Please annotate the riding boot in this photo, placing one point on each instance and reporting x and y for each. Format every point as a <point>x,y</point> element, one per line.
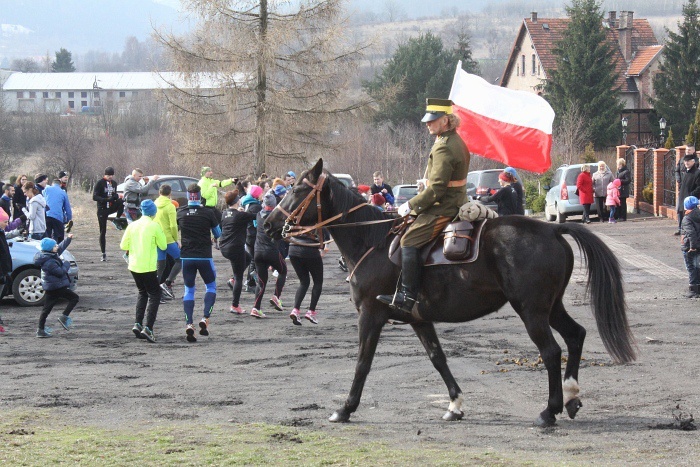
<point>405,297</point>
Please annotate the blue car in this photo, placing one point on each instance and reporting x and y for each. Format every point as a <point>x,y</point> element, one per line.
<point>26,277</point>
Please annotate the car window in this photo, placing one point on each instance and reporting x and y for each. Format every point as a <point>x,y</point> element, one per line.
<point>407,191</point>
<point>556,177</point>
<point>490,179</point>
<point>571,176</point>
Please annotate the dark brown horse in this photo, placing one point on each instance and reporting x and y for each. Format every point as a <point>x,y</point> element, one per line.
<point>522,261</point>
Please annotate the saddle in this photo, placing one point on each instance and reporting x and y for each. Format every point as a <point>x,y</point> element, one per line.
<point>458,243</point>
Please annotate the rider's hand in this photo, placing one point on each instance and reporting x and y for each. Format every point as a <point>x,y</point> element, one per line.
<point>404,209</point>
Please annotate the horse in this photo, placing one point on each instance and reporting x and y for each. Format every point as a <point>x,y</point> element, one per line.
<point>521,261</point>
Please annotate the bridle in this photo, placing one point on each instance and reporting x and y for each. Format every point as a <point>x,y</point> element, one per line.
<point>292,228</point>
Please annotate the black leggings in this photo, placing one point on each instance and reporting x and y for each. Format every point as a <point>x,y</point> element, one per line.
<point>263,259</point>
<point>305,267</point>
<point>102,215</point>
<point>148,299</point>
<point>240,260</point>
<point>53,296</point>
<point>600,205</point>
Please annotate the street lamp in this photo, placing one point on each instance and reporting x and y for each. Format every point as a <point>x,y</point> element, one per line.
<point>624,130</point>
<point>662,125</point>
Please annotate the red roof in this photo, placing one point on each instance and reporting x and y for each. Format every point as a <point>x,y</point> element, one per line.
<point>642,59</point>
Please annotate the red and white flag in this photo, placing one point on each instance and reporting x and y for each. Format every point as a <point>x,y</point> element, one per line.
<point>513,127</point>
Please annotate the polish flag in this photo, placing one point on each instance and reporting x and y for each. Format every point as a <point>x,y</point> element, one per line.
<point>513,127</point>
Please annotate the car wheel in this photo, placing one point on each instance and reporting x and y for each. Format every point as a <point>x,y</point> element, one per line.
<point>547,215</point>
<point>561,217</point>
<point>26,288</point>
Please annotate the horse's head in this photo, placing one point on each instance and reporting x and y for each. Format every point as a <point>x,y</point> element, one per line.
<point>302,205</point>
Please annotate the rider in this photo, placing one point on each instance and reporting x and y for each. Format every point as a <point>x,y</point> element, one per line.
<point>438,204</point>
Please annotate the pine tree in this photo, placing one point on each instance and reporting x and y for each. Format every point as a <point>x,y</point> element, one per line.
<point>670,142</point>
<point>63,62</point>
<point>677,85</point>
<point>585,73</point>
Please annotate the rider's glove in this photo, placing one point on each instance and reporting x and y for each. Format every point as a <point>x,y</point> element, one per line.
<point>404,209</point>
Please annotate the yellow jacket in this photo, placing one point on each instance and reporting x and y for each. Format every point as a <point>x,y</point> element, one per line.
<point>141,239</point>
<point>209,191</point>
<point>166,216</point>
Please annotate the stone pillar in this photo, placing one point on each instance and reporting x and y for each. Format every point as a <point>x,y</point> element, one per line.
<point>658,179</point>
<point>621,151</point>
<point>638,176</point>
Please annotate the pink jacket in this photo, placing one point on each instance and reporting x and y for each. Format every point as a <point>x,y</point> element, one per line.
<point>613,198</point>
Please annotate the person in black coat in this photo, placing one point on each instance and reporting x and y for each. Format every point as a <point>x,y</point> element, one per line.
<point>5,261</point>
<point>108,202</point>
<point>19,199</point>
<point>689,186</point>
<point>690,244</point>
<point>506,198</point>
<point>625,176</point>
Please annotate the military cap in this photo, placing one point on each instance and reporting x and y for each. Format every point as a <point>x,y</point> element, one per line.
<point>436,108</point>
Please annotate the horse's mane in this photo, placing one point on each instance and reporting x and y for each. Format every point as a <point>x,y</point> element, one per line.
<point>343,199</point>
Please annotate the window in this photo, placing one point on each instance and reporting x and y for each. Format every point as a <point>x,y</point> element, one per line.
<point>45,94</point>
<point>83,94</point>
<point>32,94</point>
<point>57,94</point>
<point>71,95</point>
<point>83,103</point>
<point>534,63</point>
<point>96,94</point>
<point>134,93</point>
<point>122,94</point>
<point>71,104</point>
<point>522,64</point>
<point>20,94</point>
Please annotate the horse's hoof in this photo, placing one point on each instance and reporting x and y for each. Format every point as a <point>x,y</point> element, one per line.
<point>572,407</point>
<point>339,418</point>
<point>545,420</point>
<point>452,416</point>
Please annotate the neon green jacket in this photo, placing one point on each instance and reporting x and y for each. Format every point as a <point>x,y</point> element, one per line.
<point>141,239</point>
<point>167,218</point>
<point>209,192</point>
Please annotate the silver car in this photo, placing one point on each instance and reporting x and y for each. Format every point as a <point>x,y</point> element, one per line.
<point>561,200</point>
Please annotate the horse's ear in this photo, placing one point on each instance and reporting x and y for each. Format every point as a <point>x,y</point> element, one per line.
<point>317,169</point>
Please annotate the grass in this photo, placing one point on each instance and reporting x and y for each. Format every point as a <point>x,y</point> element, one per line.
<point>41,438</point>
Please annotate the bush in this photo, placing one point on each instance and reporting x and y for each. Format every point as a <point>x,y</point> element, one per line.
<point>533,199</point>
<point>648,193</point>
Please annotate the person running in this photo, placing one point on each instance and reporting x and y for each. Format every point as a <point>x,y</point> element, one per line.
<point>108,202</point>
<point>267,254</point>
<point>59,211</point>
<point>234,224</point>
<point>197,223</point>
<point>141,241</point>
<point>35,211</point>
<point>55,282</point>
<point>251,203</point>
<point>167,218</point>
<point>307,262</point>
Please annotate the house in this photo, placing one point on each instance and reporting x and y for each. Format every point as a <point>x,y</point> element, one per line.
<point>89,93</point>
<point>636,50</point>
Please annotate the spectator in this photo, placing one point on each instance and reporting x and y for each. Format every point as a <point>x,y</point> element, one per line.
<point>108,202</point>
<point>63,177</point>
<point>59,211</point>
<point>209,186</point>
<point>625,176</point>
<point>167,218</point>
<point>505,198</point>
<point>613,198</point>
<point>380,187</point>
<point>197,224</point>
<point>55,282</point>
<point>378,201</point>
<point>133,191</point>
<point>40,182</point>
<point>5,261</point>
<point>689,182</point>
<point>584,186</point>
<point>364,191</point>
<point>141,241</point>
<point>8,192</point>
<point>290,179</point>
<point>690,243</point>
<point>19,199</point>
<point>601,180</point>
<point>518,187</point>
<point>36,214</point>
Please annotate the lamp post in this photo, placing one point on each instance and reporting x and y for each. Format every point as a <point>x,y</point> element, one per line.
<point>624,122</point>
<point>662,126</point>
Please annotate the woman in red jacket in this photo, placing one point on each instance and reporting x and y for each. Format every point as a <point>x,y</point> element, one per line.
<point>584,186</point>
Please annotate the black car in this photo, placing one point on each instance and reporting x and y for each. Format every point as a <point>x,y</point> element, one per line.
<point>178,183</point>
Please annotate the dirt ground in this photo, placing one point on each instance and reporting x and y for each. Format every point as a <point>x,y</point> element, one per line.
<point>252,370</point>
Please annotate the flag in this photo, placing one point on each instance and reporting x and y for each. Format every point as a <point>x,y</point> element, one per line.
<point>513,127</point>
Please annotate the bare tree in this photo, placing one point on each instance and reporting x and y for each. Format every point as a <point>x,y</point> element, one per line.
<point>278,69</point>
<point>394,11</point>
<point>25,65</point>
<point>571,135</point>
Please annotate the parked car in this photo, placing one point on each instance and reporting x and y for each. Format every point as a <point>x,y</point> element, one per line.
<point>483,183</point>
<point>178,183</point>
<point>346,179</point>
<point>26,277</point>
<point>403,193</point>
<point>561,201</point>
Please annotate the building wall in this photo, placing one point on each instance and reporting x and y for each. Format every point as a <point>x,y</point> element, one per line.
<point>67,101</point>
<point>645,84</point>
<point>527,79</point>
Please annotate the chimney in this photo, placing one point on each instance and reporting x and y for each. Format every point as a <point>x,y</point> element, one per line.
<point>612,19</point>
<point>625,34</point>
<point>533,16</point>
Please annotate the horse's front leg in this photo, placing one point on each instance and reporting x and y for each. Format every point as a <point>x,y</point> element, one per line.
<point>427,335</point>
<point>371,322</point>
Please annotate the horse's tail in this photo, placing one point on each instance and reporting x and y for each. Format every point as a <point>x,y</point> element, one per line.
<point>606,292</point>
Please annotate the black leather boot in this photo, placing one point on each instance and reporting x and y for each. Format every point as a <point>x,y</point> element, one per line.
<point>693,291</point>
<point>405,298</point>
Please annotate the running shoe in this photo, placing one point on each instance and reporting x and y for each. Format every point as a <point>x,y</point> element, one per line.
<point>311,316</point>
<point>65,321</point>
<point>147,334</point>
<point>204,327</point>
<point>237,309</point>
<point>257,313</point>
<point>296,319</point>
<point>46,332</point>
<point>137,330</point>
<point>69,226</point>
<point>167,291</point>
<point>277,303</point>
<point>230,283</point>
<point>125,257</point>
<point>190,333</point>
<point>104,257</point>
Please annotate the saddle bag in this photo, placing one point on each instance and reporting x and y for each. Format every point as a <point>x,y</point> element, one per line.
<point>458,241</point>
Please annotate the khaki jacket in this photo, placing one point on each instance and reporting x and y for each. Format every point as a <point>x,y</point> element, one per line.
<point>448,161</point>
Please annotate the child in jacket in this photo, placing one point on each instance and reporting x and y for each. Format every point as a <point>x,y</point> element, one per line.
<point>613,198</point>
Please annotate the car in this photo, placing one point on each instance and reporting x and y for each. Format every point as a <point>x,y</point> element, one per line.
<point>483,183</point>
<point>561,200</point>
<point>26,276</point>
<point>178,183</point>
<point>346,179</point>
<point>403,193</point>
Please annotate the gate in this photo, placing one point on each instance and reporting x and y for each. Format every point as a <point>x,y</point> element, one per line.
<point>648,174</point>
<point>629,161</point>
<point>669,180</point>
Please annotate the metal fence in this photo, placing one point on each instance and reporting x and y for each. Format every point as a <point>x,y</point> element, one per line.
<point>669,180</point>
<point>648,174</point>
<point>629,160</point>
